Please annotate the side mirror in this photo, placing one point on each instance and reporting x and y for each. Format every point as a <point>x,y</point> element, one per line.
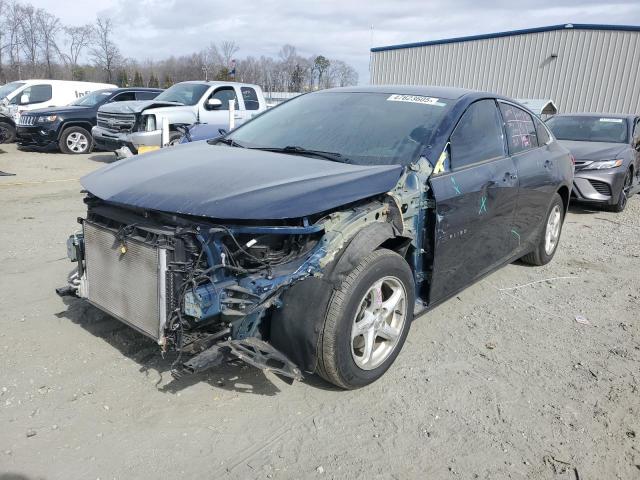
<point>213,104</point>
<point>24,99</point>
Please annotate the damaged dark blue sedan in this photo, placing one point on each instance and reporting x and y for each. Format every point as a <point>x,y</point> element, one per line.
<point>308,239</point>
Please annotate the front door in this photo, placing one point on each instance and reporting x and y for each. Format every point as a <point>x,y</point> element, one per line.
<point>475,202</point>
<point>220,116</point>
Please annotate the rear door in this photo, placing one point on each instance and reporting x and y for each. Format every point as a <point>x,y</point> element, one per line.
<point>251,104</point>
<point>475,202</point>
<point>528,141</point>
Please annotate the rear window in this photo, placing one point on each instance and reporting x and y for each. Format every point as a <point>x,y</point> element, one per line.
<point>585,128</point>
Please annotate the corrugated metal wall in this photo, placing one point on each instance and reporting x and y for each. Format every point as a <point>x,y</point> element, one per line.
<point>595,70</point>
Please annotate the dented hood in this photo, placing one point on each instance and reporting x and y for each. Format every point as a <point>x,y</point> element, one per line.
<point>235,183</point>
<point>594,150</point>
<point>135,106</point>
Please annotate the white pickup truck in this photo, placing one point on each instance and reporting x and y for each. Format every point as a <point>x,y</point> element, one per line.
<point>138,124</point>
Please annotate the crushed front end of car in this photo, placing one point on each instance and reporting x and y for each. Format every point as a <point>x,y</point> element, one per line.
<point>211,289</point>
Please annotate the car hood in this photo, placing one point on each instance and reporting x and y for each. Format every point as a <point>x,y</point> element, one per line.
<point>57,110</point>
<point>235,183</point>
<point>135,106</point>
<point>594,150</point>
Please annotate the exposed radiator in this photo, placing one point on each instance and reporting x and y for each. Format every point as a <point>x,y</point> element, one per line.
<point>129,286</point>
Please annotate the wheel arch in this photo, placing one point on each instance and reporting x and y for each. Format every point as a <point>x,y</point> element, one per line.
<point>295,328</point>
<point>77,123</point>
<point>564,193</point>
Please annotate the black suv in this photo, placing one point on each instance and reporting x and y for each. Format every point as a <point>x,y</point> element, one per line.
<point>69,128</point>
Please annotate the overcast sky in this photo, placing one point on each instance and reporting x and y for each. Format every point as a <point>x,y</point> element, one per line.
<point>335,28</point>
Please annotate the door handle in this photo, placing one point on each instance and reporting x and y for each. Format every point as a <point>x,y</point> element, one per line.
<point>548,164</point>
<point>509,176</point>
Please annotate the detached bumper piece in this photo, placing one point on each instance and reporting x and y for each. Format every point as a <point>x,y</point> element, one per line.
<point>252,351</point>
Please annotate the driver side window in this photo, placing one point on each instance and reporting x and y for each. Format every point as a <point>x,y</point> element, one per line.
<point>33,94</point>
<point>478,135</point>
<point>225,95</point>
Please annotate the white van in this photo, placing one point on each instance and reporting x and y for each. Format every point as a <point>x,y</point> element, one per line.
<point>22,95</point>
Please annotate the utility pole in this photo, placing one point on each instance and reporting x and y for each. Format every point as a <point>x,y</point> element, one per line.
<point>205,70</point>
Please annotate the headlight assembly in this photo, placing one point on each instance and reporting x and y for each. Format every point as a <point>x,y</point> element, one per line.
<point>604,164</point>
<point>47,119</point>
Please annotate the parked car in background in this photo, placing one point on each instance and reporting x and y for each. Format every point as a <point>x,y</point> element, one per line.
<point>24,95</point>
<point>69,128</point>
<point>136,124</point>
<point>606,148</point>
<point>199,132</point>
<point>307,239</point>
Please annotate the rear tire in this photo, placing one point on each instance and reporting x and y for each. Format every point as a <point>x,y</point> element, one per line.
<point>622,197</point>
<point>549,235</point>
<point>75,141</point>
<point>367,321</point>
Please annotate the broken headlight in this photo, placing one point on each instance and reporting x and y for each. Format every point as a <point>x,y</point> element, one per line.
<point>149,123</point>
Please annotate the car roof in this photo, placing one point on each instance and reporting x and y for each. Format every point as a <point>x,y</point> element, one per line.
<point>422,90</point>
<point>216,82</point>
<point>596,114</point>
<point>137,89</point>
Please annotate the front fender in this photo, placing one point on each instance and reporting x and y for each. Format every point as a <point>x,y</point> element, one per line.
<point>296,326</point>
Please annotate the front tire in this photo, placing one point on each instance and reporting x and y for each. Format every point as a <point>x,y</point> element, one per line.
<point>550,235</point>
<point>7,133</point>
<point>75,141</point>
<point>623,196</point>
<point>367,321</point>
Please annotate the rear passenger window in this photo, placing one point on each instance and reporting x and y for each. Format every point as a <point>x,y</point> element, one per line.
<point>478,136</point>
<point>543,133</point>
<point>124,97</point>
<point>521,132</point>
<point>250,98</point>
<point>146,95</point>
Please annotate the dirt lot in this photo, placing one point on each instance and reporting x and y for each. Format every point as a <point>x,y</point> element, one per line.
<point>500,382</point>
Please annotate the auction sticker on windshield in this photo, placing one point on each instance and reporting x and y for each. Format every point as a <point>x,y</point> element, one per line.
<point>611,120</point>
<point>416,99</point>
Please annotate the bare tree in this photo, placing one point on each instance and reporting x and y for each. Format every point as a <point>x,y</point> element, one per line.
<point>228,49</point>
<point>30,36</point>
<point>105,53</point>
<point>76,40</point>
<point>49,28</point>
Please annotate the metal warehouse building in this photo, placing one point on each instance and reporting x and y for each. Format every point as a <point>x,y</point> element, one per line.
<point>580,67</point>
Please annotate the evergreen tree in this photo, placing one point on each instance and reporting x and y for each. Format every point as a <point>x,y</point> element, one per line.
<point>153,81</point>
<point>122,79</point>
<point>137,80</point>
<point>168,81</point>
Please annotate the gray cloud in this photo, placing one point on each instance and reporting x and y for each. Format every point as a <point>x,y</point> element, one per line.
<point>336,28</point>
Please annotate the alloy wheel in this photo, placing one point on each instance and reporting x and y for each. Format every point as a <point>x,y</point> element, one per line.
<point>77,142</point>
<point>552,232</point>
<point>378,323</point>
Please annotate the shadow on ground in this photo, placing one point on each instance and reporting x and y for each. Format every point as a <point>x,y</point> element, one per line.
<point>233,375</point>
<point>103,157</point>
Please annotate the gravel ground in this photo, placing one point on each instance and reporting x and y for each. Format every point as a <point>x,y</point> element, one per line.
<point>499,382</point>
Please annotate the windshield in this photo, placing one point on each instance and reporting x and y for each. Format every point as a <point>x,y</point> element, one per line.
<point>92,99</point>
<point>589,129</point>
<point>185,93</point>
<point>363,128</point>
<point>8,88</point>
